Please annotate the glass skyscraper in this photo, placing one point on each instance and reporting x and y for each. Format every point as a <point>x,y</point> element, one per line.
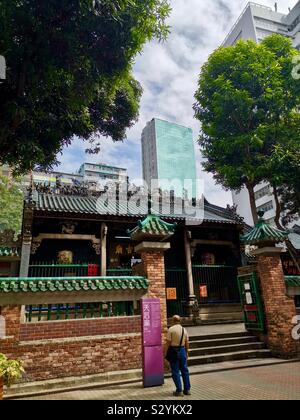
<point>169,156</point>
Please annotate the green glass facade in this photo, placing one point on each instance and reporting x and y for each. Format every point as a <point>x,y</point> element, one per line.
<point>175,154</point>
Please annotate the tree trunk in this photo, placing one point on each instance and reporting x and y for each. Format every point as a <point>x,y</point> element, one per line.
<point>278,209</point>
<point>1,389</point>
<point>250,188</point>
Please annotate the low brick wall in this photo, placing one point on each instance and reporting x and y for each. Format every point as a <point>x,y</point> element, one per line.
<point>50,359</point>
<point>59,349</point>
<point>79,328</point>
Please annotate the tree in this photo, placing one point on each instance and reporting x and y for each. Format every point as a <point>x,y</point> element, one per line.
<point>69,73</point>
<point>285,170</point>
<point>246,94</point>
<point>11,205</point>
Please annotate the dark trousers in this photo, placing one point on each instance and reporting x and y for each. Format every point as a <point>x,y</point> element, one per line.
<point>180,366</point>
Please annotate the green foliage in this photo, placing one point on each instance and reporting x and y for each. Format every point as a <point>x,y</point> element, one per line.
<point>11,205</point>
<point>70,73</point>
<point>246,96</point>
<point>285,170</point>
<point>10,370</point>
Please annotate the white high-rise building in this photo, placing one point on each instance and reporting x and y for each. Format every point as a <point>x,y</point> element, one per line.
<point>257,22</point>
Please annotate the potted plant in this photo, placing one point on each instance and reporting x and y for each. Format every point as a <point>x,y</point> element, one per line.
<point>10,371</point>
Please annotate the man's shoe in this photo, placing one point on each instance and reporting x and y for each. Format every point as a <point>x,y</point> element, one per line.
<point>187,392</point>
<point>178,394</point>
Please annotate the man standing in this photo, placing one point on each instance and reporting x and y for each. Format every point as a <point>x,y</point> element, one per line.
<point>176,351</point>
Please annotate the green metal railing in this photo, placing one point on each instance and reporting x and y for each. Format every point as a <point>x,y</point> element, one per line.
<point>61,311</point>
<point>220,281</point>
<point>70,270</point>
<point>58,270</point>
<point>177,278</point>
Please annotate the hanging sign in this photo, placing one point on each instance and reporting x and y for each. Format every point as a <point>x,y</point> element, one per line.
<point>203,291</point>
<point>171,293</point>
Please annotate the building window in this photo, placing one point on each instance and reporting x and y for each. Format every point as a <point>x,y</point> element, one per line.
<point>262,192</point>
<point>266,207</point>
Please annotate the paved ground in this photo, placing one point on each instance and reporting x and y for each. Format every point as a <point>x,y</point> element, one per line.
<point>277,382</point>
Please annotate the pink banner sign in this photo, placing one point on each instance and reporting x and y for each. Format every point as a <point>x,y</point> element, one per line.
<point>153,360</point>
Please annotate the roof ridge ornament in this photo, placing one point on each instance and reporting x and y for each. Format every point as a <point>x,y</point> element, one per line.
<point>264,234</point>
<point>152,228</point>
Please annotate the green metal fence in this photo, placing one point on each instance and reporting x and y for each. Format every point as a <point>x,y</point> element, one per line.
<point>219,282</point>
<point>70,270</point>
<point>254,317</point>
<point>177,278</point>
<point>61,311</point>
<point>58,270</point>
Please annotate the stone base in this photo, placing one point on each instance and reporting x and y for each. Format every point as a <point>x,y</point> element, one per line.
<point>152,247</point>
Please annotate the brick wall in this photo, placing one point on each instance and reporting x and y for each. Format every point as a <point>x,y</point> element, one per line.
<point>279,308</point>
<point>72,348</point>
<point>79,328</point>
<point>50,359</point>
<point>153,268</point>
<point>12,315</point>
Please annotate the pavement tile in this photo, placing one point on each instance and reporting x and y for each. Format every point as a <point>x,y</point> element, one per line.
<point>276,382</point>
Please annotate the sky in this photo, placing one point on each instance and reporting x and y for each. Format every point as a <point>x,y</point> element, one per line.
<point>168,73</point>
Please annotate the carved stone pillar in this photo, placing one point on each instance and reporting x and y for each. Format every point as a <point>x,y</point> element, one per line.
<point>26,239</point>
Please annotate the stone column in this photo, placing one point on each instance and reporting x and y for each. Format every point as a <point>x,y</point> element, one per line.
<point>153,262</point>
<point>189,269</point>
<point>279,308</point>
<point>103,249</point>
<point>26,239</point>
<point>25,257</point>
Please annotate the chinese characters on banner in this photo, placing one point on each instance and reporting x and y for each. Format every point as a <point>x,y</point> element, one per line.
<point>153,361</point>
<point>290,268</point>
<point>171,293</point>
<point>203,291</point>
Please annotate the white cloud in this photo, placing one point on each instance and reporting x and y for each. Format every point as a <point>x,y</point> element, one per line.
<point>168,73</point>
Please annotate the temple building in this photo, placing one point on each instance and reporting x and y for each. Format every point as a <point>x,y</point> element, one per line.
<point>67,234</point>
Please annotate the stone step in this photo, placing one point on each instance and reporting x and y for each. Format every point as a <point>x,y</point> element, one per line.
<point>219,317</point>
<point>226,349</point>
<point>218,336</point>
<point>219,342</point>
<point>218,321</point>
<point>225,357</point>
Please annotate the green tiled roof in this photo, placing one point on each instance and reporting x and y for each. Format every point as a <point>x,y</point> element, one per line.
<point>92,206</point>
<point>264,233</point>
<point>152,226</point>
<point>293,281</point>
<point>65,284</point>
<point>9,252</point>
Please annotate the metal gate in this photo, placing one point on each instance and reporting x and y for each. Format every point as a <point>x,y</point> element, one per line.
<point>251,301</point>
<point>176,282</point>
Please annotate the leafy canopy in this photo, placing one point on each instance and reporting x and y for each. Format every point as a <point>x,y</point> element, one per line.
<point>246,95</point>
<point>11,205</point>
<point>69,72</point>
